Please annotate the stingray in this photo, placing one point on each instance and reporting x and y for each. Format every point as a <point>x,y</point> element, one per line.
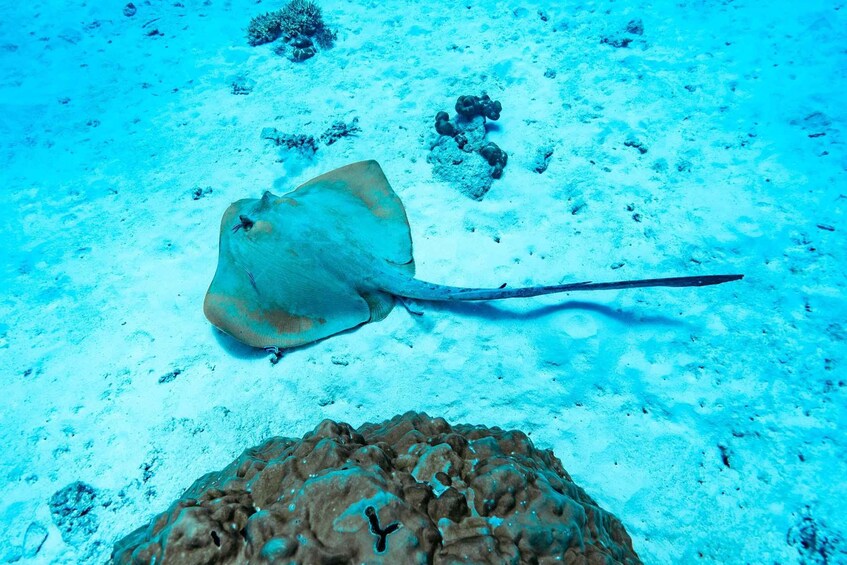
<point>333,254</point>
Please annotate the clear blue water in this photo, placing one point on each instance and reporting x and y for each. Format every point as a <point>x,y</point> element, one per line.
<point>679,139</point>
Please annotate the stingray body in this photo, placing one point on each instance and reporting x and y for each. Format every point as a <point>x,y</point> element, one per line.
<point>331,255</point>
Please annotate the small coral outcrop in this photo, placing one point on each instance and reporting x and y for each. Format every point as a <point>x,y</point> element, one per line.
<point>264,28</point>
<point>299,24</point>
<point>409,490</point>
<point>307,145</point>
<point>461,155</point>
<point>72,509</point>
<point>339,129</point>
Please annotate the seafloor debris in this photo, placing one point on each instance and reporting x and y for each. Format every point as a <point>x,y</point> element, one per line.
<point>242,85</point>
<point>308,144</point>
<point>623,38</point>
<point>339,129</point>
<point>410,490</point>
<point>462,155</point>
<point>816,544</point>
<point>198,192</point>
<point>542,158</point>
<point>303,143</point>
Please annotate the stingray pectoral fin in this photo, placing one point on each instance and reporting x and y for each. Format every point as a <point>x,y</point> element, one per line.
<point>361,198</point>
<point>259,322</point>
<point>366,182</point>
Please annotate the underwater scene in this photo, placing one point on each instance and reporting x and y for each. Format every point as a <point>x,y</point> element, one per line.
<point>486,281</point>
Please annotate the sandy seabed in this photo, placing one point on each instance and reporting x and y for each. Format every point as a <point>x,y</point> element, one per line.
<point>710,421</point>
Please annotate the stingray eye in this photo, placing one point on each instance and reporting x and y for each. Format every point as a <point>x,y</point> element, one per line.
<point>243,222</point>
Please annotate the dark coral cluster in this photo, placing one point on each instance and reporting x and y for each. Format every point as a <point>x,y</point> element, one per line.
<point>468,131</point>
<point>495,157</point>
<point>410,490</point>
<point>300,25</point>
<point>470,106</point>
<point>443,125</point>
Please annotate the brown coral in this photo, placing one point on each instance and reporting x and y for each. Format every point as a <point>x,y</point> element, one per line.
<point>409,490</point>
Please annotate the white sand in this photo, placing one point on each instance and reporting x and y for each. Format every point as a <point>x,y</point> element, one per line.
<point>106,256</point>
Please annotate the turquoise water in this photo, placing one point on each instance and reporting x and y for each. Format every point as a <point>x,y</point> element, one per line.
<point>642,140</point>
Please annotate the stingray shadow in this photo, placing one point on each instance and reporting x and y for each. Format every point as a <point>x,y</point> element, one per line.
<point>492,126</point>
<point>235,347</point>
<point>484,310</point>
<point>491,312</point>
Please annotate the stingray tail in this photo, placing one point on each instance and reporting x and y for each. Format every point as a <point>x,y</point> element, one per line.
<point>421,290</point>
